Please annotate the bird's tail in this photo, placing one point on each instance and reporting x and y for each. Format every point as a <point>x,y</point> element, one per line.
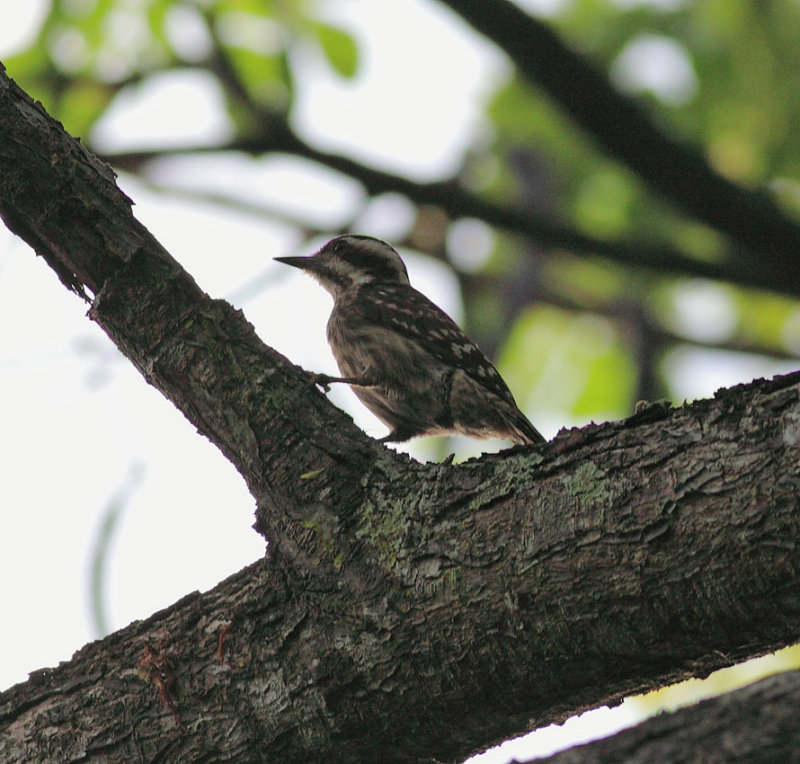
<point>522,432</point>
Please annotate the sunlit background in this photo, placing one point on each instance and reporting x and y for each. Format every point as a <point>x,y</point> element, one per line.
<point>112,506</point>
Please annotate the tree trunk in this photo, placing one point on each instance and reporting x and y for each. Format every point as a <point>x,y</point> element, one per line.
<point>405,612</point>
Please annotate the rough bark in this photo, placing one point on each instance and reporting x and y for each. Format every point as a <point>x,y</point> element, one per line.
<point>755,724</point>
<point>405,612</point>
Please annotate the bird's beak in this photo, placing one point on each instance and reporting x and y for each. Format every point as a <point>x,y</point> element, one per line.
<point>304,263</point>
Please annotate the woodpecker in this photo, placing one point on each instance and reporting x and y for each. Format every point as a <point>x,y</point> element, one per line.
<point>405,358</point>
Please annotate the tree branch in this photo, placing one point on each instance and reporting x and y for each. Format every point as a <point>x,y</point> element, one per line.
<point>405,611</point>
<point>627,133</point>
<point>458,202</point>
<point>757,723</point>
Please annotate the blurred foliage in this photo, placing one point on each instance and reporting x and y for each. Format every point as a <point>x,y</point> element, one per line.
<point>89,49</point>
<point>564,360</point>
<point>739,100</point>
<point>577,336</point>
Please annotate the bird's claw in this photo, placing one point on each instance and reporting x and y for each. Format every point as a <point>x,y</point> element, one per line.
<point>322,381</point>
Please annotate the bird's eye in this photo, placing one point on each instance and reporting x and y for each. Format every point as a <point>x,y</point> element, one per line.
<point>338,246</point>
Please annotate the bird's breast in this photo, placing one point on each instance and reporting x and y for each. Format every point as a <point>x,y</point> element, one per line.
<point>363,347</point>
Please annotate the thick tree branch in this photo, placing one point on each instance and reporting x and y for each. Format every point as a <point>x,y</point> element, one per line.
<point>755,724</point>
<point>627,132</point>
<point>406,611</point>
<point>578,581</point>
<point>199,352</point>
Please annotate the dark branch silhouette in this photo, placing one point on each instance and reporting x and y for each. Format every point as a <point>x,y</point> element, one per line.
<point>623,129</point>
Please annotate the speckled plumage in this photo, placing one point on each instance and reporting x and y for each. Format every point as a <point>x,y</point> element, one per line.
<point>408,361</point>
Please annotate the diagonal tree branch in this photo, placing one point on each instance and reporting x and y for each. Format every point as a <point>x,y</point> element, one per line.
<point>405,612</point>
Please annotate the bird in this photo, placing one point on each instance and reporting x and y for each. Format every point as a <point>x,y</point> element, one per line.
<point>407,361</point>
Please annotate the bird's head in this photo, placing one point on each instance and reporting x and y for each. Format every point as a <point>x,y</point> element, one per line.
<point>350,261</point>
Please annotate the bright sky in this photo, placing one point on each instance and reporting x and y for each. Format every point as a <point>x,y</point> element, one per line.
<point>79,423</point>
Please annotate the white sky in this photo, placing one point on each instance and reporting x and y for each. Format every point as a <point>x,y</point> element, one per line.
<point>77,418</point>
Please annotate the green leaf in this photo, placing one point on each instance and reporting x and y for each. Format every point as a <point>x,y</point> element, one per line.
<point>264,76</point>
<point>339,48</point>
<point>83,104</point>
<point>157,14</point>
<point>570,364</point>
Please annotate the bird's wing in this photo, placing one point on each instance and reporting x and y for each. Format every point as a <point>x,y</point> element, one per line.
<point>411,314</point>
